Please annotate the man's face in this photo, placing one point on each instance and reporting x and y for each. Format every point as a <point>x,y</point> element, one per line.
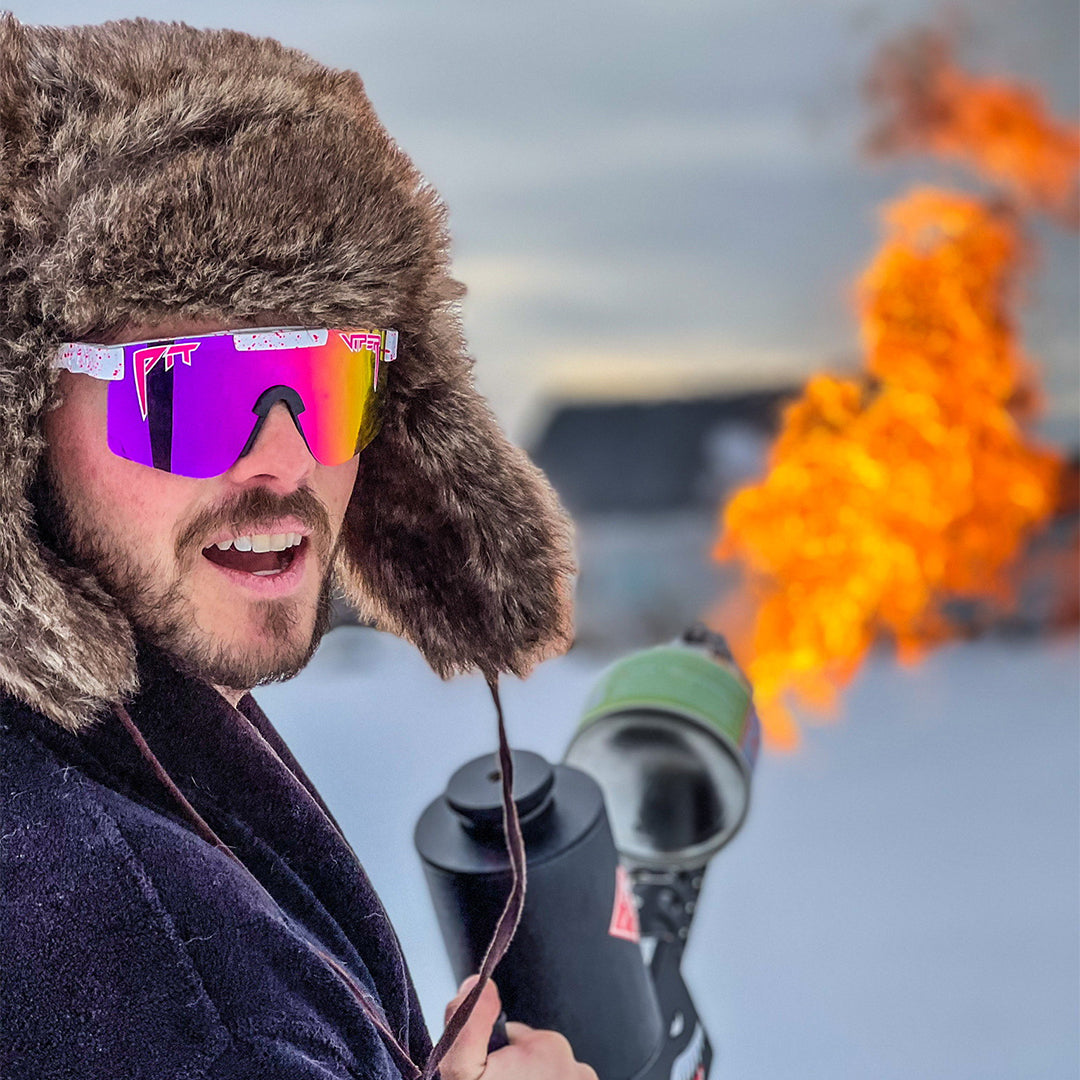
<point>236,619</point>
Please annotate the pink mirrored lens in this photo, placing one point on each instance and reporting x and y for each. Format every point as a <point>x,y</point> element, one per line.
<point>190,406</point>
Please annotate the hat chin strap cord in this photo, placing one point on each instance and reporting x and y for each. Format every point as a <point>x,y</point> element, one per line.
<point>500,939</point>
<point>511,912</point>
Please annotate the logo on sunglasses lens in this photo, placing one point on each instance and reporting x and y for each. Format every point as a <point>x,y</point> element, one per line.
<point>382,347</point>
<point>145,360</point>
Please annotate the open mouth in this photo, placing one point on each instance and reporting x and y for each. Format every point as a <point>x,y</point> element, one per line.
<point>261,555</point>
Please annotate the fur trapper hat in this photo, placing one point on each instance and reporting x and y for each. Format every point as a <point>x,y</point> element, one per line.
<point>149,171</point>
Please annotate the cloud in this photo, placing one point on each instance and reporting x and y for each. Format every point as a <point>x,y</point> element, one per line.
<point>644,147</point>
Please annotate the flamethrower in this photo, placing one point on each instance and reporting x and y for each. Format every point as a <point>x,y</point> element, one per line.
<point>618,836</point>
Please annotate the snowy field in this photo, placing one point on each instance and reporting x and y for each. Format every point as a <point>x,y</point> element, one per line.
<point>902,903</point>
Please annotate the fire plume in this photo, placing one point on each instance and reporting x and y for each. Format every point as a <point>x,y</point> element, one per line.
<point>1001,129</point>
<point>891,494</point>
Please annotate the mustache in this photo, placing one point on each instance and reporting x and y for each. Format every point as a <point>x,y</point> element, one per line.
<point>251,510</point>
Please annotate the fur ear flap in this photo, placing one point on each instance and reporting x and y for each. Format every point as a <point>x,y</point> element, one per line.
<point>454,539</point>
<point>75,650</point>
<point>65,647</point>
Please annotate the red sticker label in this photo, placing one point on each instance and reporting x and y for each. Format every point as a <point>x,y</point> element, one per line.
<point>624,917</point>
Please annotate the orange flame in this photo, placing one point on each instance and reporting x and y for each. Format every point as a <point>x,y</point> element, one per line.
<point>890,495</point>
<point>1001,129</point>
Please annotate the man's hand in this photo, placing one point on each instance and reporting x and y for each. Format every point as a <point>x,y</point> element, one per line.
<point>531,1055</point>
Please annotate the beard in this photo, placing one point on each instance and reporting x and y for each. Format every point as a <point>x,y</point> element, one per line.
<point>285,632</point>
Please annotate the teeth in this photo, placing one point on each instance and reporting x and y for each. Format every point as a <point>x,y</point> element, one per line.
<point>262,542</point>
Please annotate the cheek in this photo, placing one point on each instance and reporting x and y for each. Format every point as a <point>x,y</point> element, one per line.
<point>337,487</point>
<point>128,502</point>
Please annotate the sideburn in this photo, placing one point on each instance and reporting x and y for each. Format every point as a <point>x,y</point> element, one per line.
<point>51,519</point>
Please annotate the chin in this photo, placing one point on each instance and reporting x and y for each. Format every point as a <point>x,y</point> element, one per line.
<point>271,642</point>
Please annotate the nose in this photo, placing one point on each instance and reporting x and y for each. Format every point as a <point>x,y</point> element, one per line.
<point>279,459</point>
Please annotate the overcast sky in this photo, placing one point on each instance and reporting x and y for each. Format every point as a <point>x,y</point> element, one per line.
<point>675,180</point>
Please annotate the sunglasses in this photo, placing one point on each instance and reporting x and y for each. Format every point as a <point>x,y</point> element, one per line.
<point>194,405</point>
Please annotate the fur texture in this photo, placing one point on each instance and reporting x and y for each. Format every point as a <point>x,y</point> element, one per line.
<point>151,170</point>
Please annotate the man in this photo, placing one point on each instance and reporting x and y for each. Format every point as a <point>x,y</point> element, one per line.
<point>220,281</point>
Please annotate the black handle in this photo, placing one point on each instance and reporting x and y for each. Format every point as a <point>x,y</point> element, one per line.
<point>499,1037</point>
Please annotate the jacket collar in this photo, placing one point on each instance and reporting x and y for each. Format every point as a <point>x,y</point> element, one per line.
<point>231,764</point>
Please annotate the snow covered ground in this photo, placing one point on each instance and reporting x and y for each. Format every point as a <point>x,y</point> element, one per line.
<point>902,903</point>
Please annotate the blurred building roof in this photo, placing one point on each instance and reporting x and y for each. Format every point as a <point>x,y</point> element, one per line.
<point>651,456</point>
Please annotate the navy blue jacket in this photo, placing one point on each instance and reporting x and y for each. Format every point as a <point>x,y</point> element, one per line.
<point>132,947</point>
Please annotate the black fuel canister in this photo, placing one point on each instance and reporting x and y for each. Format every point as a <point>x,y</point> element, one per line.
<point>579,917</point>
